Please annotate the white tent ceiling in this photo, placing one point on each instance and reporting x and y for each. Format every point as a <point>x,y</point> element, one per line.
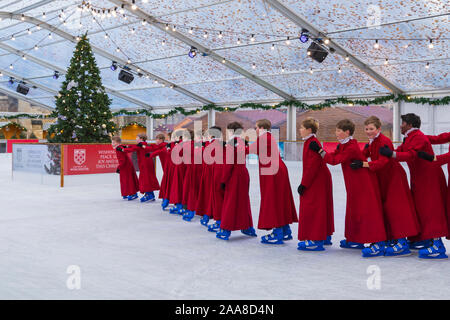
<point>252,71</point>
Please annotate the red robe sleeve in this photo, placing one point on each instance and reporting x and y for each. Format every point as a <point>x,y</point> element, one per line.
<point>411,154</point>
<point>440,139</point>
<point>443,158</point>
<point>336,157</point>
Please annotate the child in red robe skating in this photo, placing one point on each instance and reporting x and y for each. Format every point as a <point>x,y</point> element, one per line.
<point>316,216</point>
<point>277,209</point>
<point>428,188</point>
<point>364,221</point>
<point>129,184</point>
<point>235,182</point>
<point>398,206</point>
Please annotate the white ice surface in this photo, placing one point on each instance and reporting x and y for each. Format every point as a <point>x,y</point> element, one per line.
<point>129,250</point>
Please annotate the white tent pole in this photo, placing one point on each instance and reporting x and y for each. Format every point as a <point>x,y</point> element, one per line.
<point>291,130</point>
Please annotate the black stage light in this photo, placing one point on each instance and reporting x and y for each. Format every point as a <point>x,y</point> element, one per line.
<point>22,89</point>
<point>317,52</point>
<point>126,76</point>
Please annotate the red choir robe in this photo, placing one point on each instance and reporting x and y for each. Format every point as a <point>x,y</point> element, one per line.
<point>428,186</point>
<point>236,210</point>
<point>205,188</point>
<point>440,139</point>
<point>217,193</point>
<point>196,177</point>
<point>316,216</point>
<point>178,172</point>
<point>129,183</point>
<point>188,158</point>
<point>364,221</point>
<point>164,155</point>
<point>147,173</point>
<point>400,216</point>
<point>277,208</point>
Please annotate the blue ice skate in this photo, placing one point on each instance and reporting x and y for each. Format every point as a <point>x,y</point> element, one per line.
<point>214,227</point>
<point>435,251</point>
<point>287,233</point>
<point>177,209</point>
<point>132,197</point>
<point>249,232</point>
<point>419,244</point>
<point>276,237</point>
<point>351,245</point>
<point>149,196</point>
<point>165,204</point>
<point>398,248</point>
<point>189,215</point>
<point>309,245</point>
<point>375,249</point>
<point>204,220</point>
<point>124,197</point>
<point>327,241</point>
<point>223,234</point>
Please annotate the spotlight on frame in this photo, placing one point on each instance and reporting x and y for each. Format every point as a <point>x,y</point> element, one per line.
<point>304,36</point>
<point>192,52</point>
<point>113,66</point>
<point>56,75</point>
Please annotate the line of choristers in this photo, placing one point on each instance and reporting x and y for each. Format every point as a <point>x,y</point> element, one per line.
<point>206,176</point>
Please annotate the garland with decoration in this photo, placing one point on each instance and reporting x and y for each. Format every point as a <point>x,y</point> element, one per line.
<point>13,124</point>
<point>132,124</point>
<point>256,106</point>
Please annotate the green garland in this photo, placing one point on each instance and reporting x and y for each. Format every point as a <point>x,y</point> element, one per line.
<point>132,124</point>
<point>13,124</point>
<point>256,106</point>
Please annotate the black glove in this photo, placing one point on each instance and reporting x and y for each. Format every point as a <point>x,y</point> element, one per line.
<point>169,145</point>
<point>139,144</point>
<point>119,149</point>
<point>366,146</point>
<point>386,151</point>
<point>337,147</point>
<point>424,155</point>
<point>118,170</point>
<point>246,142</point>
<point>356,164</point>
<point>301,188</point>
<point>314,146</point>
<point>224,144</point>
<point>203,144</point>
<point>147,155</point>
<point>222,185</point>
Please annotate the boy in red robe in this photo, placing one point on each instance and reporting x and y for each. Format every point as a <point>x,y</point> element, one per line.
<point>277,209</point>
<point>159,149</point>
<point>147,175</point>
<point>428,188</point>
<point>316,216</point>
<point>178,172</point>
<point>235,182</point>
<point>398,206</point>
<point>129,184</point>
<point>364,214</point>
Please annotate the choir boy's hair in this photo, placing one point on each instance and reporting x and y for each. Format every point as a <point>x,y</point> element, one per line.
<point>235,126</point>
<point>214,130</point>
<point>412,119</point>
<point>264,123</point>
<point>142,136</point>
<point>161,136</point>
<point>345,125</point>
<point>117,139</point>
<point>373,120</point>
<point>311,123</point>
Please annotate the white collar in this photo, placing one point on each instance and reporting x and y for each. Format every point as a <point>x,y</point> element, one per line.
<point>344,141</point>
<point>308,136</point>
<point>262,131</point>
<point>371,140</point>
<point>409,131</point>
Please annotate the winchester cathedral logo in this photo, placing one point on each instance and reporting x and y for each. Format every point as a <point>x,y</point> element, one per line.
<point>79,156</point>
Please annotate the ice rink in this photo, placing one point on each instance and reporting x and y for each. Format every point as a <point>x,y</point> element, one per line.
<point>129,250</point>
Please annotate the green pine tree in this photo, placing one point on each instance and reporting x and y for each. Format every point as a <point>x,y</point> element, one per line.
<point>82,106</point>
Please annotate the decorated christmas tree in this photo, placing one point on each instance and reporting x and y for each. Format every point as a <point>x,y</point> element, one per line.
<point>82,106</point>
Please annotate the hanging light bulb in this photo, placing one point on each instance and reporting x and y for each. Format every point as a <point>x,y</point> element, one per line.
<point>13,38</point>
<point>50,36</point>
<point>164,42</point>
<point>288,41</point>
<point>427,66</point>
<point>339,70</point>
<point>128,61</point>
<point>220,35</point>
<point>44,16</point>
<point>254,65</point>
<point>347,58</point>
<point>106,36</point>
<point>133,31</point>
<point>238,41</point>
<point>24,57</point>
<point>376,45</point>
<point>205,35</point>
<point>272,47</point>
<point>133,6</point>
<point>311,71</point>
<point>167,26</point>
<point>11,66</point>
<point>252,38</point>
<point>122,10</point>
<point>406,46</point>
<point>431,46</point>
<point>174,28</point>
<point>39,27</point>
<point>117,50</point>
<point>144,22</point>
<point>36,47</point>
<point>22,17</point>
<point>326,41</point>
<point>29,31</point>
<point>223,60</point>
<point>282,69</point>
<point>191,30</point>
<point>386,61</point>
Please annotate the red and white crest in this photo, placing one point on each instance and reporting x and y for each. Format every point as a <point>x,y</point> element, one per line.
<point>79,156</point>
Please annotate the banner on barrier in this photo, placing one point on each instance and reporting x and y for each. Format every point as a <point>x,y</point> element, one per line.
<point>37,158</point>
<point>11,142</point>
<point>89,159</point>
